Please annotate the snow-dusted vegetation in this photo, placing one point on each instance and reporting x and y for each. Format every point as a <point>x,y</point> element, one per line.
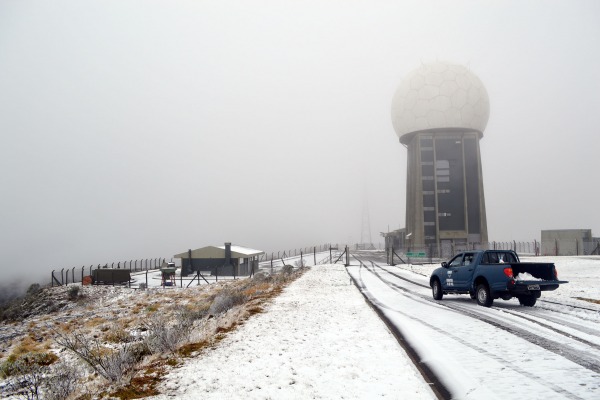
<point>96,341</point>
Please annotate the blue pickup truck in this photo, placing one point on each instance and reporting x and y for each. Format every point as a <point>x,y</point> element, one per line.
<point>491,274</point>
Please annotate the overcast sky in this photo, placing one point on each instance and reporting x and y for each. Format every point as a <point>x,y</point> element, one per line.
<point>139,129</point>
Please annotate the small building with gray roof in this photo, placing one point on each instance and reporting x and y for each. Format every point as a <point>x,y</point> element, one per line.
<point>227,260</point>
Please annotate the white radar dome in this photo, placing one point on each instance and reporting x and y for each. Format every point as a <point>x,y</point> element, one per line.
<point>439,95</point>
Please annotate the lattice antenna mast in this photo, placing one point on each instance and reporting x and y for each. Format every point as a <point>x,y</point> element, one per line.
<point>365,233</point>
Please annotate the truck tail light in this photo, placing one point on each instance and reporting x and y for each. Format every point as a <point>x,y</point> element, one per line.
<point>508,272</point>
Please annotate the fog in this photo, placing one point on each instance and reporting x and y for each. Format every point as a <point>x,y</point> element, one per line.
<point>137,130</point>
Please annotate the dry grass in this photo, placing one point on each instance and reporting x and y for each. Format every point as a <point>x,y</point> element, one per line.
<point>27,345</point>
<point>94,322</point>
<point>117,334</point>
<point>259,290</point>
<point>152,308</point>
<point>192,349</point>
<point>144,384</point>
<point>595,301</point>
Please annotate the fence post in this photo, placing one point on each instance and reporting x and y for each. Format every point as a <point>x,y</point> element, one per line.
<point>315,255</point>
<point>431,252</point>
<point>82,275</point>
<point>347,256</point>
<point>301,259</point>
<point>52,278</point>
<point>62,278</point>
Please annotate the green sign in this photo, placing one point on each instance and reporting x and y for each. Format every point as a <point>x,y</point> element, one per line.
<point>419,254</point>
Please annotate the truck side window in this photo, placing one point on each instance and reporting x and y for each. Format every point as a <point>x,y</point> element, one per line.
<point>456,261</point>
<point>491,258</point>
<point>468,259</point>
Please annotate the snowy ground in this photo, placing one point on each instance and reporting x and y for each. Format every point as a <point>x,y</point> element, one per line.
<point>551,350</point>
<point>318,339</point>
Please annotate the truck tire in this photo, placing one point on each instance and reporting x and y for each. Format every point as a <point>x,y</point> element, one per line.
<point>436,290</point>
<point>527,301</point>
<point>483,295</point>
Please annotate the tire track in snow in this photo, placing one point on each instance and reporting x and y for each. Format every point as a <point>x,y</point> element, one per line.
<point>557,348</point>
<point>521,313</point>
<point>438,388</point>
<point>561,349</point>
<point>527,315</point>
<point>508,364</point>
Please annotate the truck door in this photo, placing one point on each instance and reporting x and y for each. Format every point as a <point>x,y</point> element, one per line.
<point>453,265</point>
<point>464,272</point>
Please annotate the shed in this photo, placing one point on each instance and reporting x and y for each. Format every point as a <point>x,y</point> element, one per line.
<point>111,276</point>
<point>222,260</point>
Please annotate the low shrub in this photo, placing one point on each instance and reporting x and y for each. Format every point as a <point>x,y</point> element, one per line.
<point>224,301</point>
<point>73,292</point>
<point>286,270</point>
<point>166,335</point>
<point>117,334</point>
<point>261,277</point>
<point>108,363</point>
<point>17,364</point>
<point>60,381</point>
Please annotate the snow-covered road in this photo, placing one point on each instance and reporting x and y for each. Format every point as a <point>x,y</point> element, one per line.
<point>317,340</point>
<point>508,351</point>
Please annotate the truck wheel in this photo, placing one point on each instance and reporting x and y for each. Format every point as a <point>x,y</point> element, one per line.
<point>527,301</point>
<point>483,295</point>
<point>436,289</point>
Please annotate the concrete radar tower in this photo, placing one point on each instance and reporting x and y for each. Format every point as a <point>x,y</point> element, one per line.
<point>439,112</point>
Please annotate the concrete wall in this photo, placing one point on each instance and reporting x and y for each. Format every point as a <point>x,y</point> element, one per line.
<point>566,242</point>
